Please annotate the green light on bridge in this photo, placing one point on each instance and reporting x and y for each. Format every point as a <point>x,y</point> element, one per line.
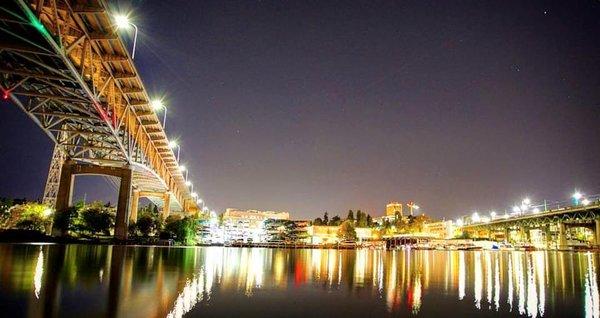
<point>36,23</point>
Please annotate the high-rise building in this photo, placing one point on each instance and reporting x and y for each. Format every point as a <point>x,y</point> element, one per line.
<point>393,207</point>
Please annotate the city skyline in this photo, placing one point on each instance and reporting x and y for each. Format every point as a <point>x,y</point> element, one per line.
<point>310,108</point>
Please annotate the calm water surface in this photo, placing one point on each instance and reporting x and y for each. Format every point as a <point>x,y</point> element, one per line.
<point>98,281</point>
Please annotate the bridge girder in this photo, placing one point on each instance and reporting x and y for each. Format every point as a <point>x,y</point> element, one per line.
<point>64,65</point>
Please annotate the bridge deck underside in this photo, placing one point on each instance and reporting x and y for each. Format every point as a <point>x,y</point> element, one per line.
<point>73,77</point>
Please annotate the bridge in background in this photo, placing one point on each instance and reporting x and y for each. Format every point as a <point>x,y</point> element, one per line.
<point>553,224</point>
<point>63,63</point>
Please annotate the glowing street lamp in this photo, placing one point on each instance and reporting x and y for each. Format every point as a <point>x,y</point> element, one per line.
<point>536,210</point>
<point>493,214</point>
<point>475,217</point>
<point>194,195</point>
<point>585,201</point>
<point>459,222</point>
<point>123,22</point>
<point>157,105</point>
<point>174,144</point>
<point>516,209</point>
<point>576,197</point>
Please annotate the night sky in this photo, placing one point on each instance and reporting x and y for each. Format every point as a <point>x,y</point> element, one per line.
<point>308,106</point>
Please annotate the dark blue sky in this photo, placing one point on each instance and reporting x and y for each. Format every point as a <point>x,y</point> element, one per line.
<point>309,106</point>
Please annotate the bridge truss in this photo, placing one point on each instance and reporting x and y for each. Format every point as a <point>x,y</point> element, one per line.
<point>63,64</point>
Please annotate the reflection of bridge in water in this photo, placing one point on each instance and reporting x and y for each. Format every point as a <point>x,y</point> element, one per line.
<point>64,65</point>
<point>552,225</point>
<point>159,282</point>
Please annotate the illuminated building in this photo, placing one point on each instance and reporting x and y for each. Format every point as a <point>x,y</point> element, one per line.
<point>325,234</point>
<point>247,225</point>
<point>393,207</point>
<point>440,229</point>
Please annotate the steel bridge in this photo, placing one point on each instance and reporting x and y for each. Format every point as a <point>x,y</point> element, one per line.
<point>553,223</point>
<point>63,63</point>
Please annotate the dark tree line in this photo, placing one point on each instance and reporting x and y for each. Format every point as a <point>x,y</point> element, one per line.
<point>361,219</point>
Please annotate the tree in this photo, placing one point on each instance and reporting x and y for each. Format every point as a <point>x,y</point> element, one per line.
<point>65,220</point>
<point>350,216</point>
<point>335,221</point>
<point>147,224</point>
<point>325,218</point>
<point>183,230</point>
<point>318,222</point>
<point>28,216</point>
<point>361,219</point>
<point>98,218</point>
<point>369,221</point>
<point>346,231</point>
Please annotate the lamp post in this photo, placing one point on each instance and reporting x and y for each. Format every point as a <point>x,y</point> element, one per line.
<point>173,144</point>
<point>122,22</point>
<point>157,105</point>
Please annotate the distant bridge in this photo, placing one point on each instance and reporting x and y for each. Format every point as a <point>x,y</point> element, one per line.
<point>553,223</point>
<point>63,63</point>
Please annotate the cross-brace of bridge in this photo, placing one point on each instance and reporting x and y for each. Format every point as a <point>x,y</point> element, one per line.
<point>560,219</point>
<point>64,65</point>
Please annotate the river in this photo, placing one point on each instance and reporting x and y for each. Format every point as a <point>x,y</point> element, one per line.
<point>116,281</point>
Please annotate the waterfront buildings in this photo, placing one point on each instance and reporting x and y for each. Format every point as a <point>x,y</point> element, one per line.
<point>440,229</point>
<point>248,225</point>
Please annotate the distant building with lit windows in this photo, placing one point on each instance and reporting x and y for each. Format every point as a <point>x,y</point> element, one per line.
<point>247,225</point>
<point>392,208</point>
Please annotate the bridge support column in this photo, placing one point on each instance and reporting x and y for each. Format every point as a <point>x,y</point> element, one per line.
<point>123,206</point>
<point>65,186</point>
<point>65,190</point>
<point>547,236</point>
<point>135,201</point>
<point>562,241</point>
<point>597,232</point>
<point>166,205</point>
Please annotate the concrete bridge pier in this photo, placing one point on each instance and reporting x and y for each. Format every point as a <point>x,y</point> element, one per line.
<point>64,199</point>
<point>562,240</point>
<point>597,232</point>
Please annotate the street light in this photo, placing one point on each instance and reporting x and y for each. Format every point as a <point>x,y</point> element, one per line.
<point>577,196</point>
<point>122,22</point>
<point>475,217</point>
<point>194,195</point>
<point>493,214</point>
<point>459,222</point>
<point>516,209</point>
<point>585,201</point>
<point>157,105</point>
<point>172,145</point>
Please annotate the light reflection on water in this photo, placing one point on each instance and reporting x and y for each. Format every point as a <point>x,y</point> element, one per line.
<point>96,281</point>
